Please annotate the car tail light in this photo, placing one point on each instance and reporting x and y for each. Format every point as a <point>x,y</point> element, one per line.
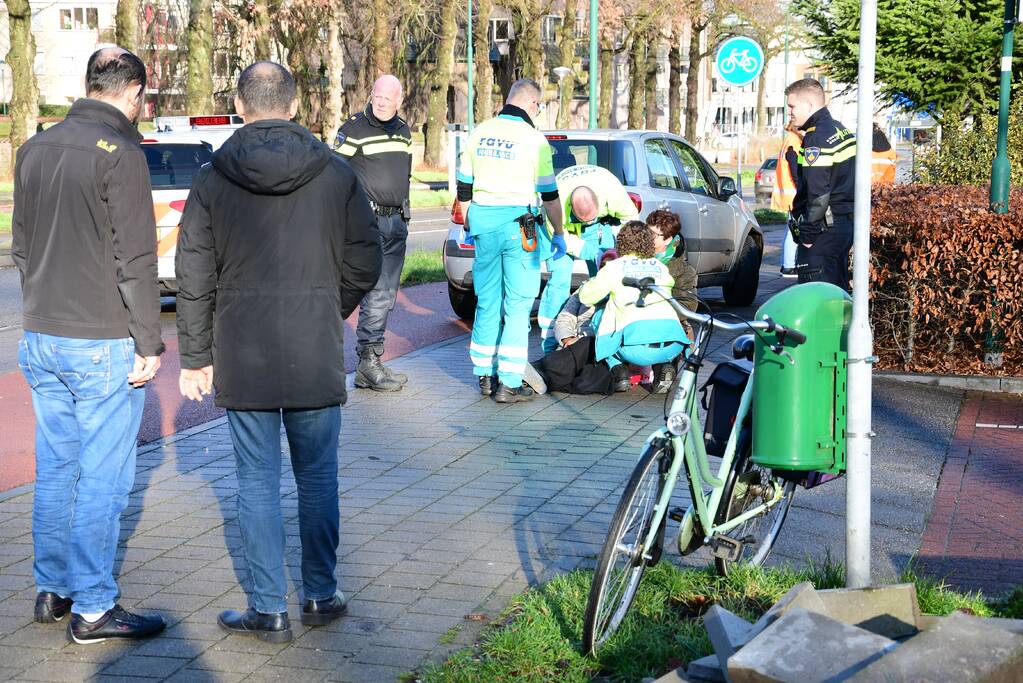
<point>456,213</point>
<point>637,200</point>
<point>557,137</point>
<point>178,205</point>
<point>759,176</point>
<point>145,140</point>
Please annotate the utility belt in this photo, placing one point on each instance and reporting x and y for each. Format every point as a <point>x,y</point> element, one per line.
<point>528,224</point>
<point>404,210</point>
<point>817,229</point>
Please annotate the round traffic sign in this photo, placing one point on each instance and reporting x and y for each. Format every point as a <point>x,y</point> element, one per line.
<point>739,60</point>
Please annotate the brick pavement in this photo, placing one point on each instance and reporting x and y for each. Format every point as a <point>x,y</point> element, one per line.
<point>974,536</point>
<point>450,504</point>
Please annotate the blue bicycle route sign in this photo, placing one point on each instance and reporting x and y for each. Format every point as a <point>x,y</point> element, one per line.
<point>739,60</point>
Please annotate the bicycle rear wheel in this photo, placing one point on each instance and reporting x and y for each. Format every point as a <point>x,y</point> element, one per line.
<point>623,557</point>
<point>749,485</point>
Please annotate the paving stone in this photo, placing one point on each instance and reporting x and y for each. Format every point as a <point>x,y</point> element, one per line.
<point>728,632</point>
<point>404,657</point>
<point>149,666</point>
<point>976,650</point>
<point>281,673</point>
<point>801,595</point>
<point>806,647</point>
<point>216,659</point>
<point>360,672</point>
<point>705,670</point>
<point>303,658</point>
<point>890,611</point>
<point>60,671</point>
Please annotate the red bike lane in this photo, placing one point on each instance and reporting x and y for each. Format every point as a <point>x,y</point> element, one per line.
<point>421,316</point>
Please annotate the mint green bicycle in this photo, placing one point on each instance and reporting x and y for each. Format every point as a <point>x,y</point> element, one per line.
<point>738,513</point>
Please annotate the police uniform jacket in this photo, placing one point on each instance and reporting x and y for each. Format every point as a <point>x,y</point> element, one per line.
<point>827,174</point>
<point>380,152</point>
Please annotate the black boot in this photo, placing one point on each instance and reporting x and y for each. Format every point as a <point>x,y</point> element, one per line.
<point>273,628</point>
<point>486,385</point>
<point>506,394</point>
<point>371,373</point>
<point>621,377</point>
<point>321,612</point>
<point>664,375</point>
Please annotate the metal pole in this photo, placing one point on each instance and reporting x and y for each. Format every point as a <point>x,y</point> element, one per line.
<point>738,142</point>
<point>786,79</point>
<point>1000,167</point>
<point>594,63</point>
<point>470,116</point>
<point>861,341</point>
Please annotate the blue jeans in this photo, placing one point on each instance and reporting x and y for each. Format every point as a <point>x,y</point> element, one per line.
<point>313,438</point>
<point>87,426</point>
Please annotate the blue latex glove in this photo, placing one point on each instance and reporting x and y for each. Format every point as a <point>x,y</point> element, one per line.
<point>468,239</point>
<point>558,247</point>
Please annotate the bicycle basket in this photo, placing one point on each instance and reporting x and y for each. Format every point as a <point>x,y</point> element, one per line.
<point>721,395</point>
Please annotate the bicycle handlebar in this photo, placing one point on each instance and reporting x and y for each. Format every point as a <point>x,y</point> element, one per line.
<point>782,333</point>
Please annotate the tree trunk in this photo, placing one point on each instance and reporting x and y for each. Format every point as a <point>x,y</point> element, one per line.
<point>650,85</point>
<point>567,84</point>
<point>637,82</point>
<point>484,79</point>
<point>261,21</point>
<point>21,58</point>
<point>693,82</point>
<point>334,100</point>
<point>675,86</point>
<point>606,84</point>
<point>199,88</point>
<point>126,24</point>
<point>528,50</point>
<point>380,50</point>
<point>298,64</point>
<point>437,102</point>
<point>761,109</point>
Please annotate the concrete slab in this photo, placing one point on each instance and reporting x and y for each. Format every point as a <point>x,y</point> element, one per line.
<point>970,649</point>
<point>802,595</point>
<point>806,647</point>
<point>706,670</point>
<point>889,611</point>
<point>727,631</point>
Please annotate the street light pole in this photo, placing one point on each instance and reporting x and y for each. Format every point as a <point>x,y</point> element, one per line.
<point>470,115</point>
<point>1000,167</point>
<point>594,63</point>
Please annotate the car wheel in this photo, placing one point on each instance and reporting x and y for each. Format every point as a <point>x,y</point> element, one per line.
<point>742,290</point>
<point>463,302</point>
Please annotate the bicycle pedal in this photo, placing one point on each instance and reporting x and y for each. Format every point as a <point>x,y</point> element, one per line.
<point>676,514</point>
<point>727,548</point>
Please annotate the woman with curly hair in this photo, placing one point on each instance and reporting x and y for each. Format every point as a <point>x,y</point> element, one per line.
<point>625,332</point>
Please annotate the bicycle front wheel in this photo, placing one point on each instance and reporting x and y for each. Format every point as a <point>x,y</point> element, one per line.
<point>624,557</point>
<point>749,485</point>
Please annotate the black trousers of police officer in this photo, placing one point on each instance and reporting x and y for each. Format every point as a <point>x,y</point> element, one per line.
<point>377,304</point>
<point>827,259</point>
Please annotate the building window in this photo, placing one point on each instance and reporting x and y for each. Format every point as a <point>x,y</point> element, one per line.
<point>79,19</point>
<point>582,29</point>
<point>549,29</point>
<point>500,30</point>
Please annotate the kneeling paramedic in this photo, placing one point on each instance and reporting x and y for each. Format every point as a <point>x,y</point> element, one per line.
<point>595,203</point>
<point>506,162</point>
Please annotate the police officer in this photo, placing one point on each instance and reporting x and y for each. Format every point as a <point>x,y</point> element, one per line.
<point>594,203</point>
<point>378,145</point>
<point>822,211</point>
<point>505,164</point>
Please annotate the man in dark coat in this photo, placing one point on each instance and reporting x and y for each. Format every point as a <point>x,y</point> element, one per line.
<point>277,246</point>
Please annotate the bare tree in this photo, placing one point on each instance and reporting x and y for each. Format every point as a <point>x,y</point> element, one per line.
<point>126,23</point>
<point>484,84</point>
<point>567,84</point>
<point>199,86</point>
<point>764,22</point>
<point>334,100</point>
<point>21,56</point>
<point>440,80</point>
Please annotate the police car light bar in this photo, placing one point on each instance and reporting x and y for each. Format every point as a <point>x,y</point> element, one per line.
<point>225,120</point>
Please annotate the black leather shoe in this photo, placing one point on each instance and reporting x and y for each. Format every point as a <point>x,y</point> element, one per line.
<point>51,608</point>
<point>115,623</point>
<point>506,394</point>
<point>321,612</point>
<point>486,385</point>
<point>273,628</point>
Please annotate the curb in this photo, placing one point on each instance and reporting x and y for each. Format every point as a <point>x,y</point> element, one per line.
<point>5,251</point>
<point>1006,385</point>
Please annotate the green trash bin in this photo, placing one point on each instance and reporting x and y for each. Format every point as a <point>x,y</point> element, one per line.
<point>799,407</point>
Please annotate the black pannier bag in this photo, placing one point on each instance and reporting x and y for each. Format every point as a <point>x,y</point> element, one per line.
<point>721,395</point>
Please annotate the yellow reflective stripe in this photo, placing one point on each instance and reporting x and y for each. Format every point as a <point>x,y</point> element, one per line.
<point>347,150</point>
<point>384,147</point>
<point>844,155</point>
<point>374,138</point>
<point>851,142</point>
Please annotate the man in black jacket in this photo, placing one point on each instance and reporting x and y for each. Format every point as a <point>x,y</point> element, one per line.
<point>822,211</point>
<point>277,246</point>
<point>378,145</point>
<point>84,241</point>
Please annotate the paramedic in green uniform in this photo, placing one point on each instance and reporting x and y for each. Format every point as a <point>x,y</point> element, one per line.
<point>506,162</point>
<point>594,203</point>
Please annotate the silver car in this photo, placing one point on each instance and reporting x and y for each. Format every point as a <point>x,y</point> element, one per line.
<point>659,170</point>
<point>763,181</point>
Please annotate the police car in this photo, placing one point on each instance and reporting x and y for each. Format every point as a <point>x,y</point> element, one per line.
<point>724,240</point>
<point>174,153</point>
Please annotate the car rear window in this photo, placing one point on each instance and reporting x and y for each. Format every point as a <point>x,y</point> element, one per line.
<point>617,156</point>
<point>172,166</point>
<point>769,164</point>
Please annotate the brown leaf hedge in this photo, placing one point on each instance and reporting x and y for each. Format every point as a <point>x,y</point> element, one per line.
<point>946,280</point>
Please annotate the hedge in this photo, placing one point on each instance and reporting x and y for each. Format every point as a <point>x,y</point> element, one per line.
<point>946,280</point>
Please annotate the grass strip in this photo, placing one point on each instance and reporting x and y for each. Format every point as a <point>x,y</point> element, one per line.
<point>422,199</point>
<point>421,267</point>
<point>770,216</point>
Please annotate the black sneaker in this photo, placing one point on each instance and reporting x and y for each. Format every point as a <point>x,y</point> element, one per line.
<point>486,385</point>
<point>115,623</point>
<point>51,608</point>
<point>664,375</point>
<point>622,382</point>
<point>322,612</point>
<point>506,394</point>
<point>272,628</point>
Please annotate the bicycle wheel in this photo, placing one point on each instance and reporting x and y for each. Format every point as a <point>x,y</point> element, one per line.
<point>623,559</point>
<point>749,485</point>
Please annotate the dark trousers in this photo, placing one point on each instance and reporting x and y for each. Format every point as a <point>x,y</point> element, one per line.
<point>313,439</point>
<point>827,259</point>
<point>377,304</point>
